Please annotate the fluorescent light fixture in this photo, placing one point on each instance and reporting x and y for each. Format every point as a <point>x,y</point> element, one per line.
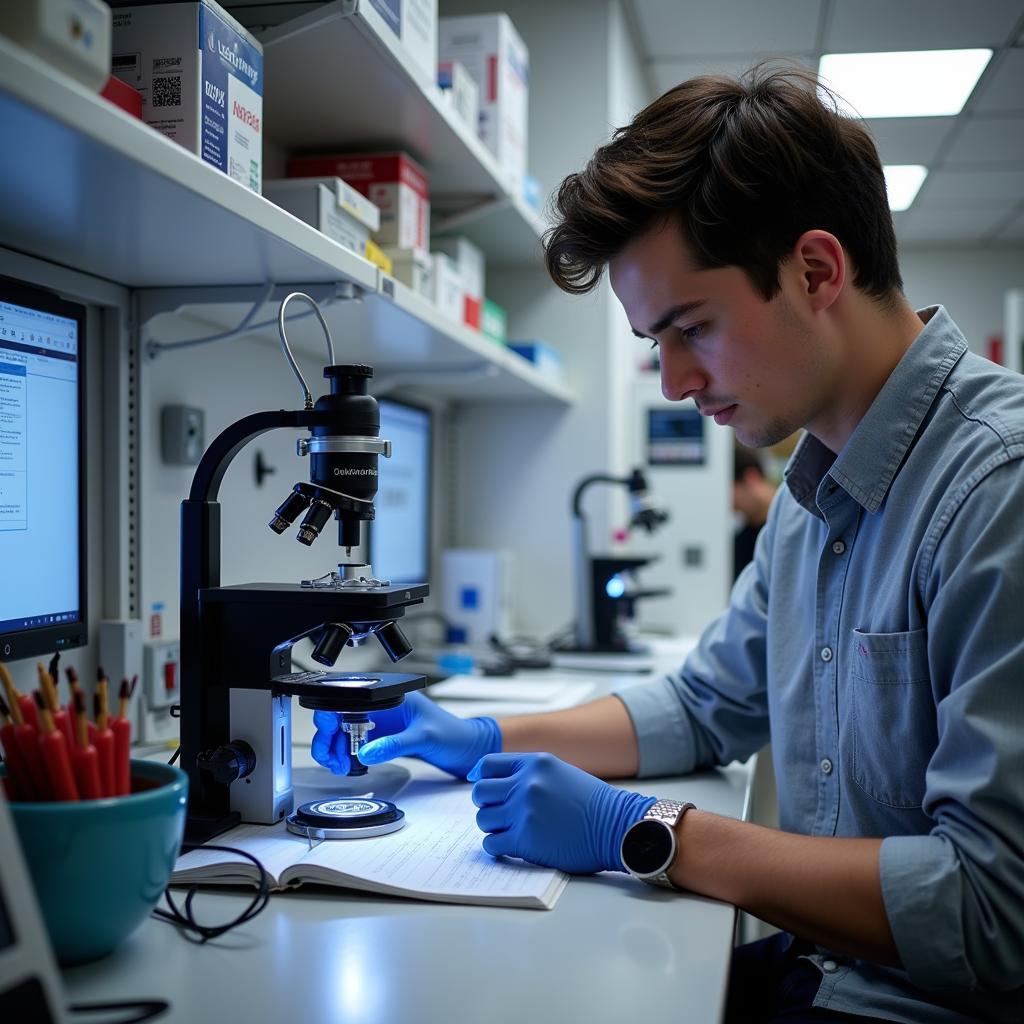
<point>916,83</point>
<point>902,183</point>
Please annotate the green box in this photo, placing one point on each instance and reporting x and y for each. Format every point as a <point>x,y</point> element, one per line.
<point>494,322</point>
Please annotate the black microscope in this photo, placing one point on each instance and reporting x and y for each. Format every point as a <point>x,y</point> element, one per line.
<point>237,677</point>
<point>605,587</point>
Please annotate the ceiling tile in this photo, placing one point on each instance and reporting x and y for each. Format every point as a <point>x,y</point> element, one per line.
<point>866,26</point>
<point>975,187</point>
<point>1002,88</point>
<point>949,226</point>
<point>909,140</point>
<point>687,28</point>
<point>988,140</point>
<point>667,73</point>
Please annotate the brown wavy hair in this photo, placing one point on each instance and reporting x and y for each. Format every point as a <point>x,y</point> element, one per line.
<point>746,166</point>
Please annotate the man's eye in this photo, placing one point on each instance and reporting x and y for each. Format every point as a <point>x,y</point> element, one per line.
<point>692,333</point>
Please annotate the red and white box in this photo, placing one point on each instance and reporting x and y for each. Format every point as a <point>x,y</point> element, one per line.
<point>469,260</point>
<point>492,51</point>
<point>393,182</point>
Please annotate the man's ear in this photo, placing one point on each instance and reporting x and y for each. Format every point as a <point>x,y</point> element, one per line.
<point>820,263</point>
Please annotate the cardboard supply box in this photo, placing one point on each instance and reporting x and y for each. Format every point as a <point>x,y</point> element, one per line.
<point>449,294</point>
<point>330,205</point>
<point>471,263</point>
<point>200,74</point>
<point>460,89</point>
<point>415,24</point>
<point>545,358</point>
<point>393,182</point>
<point>494,322</point>
<point>413,268</point>
<point>492,52</point>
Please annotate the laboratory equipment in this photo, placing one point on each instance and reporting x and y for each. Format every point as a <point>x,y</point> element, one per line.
<point>606,589</point>
<point>237,678</point>
<point>42,472</point>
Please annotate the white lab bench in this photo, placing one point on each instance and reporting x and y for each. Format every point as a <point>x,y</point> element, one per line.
<point>611,948</point>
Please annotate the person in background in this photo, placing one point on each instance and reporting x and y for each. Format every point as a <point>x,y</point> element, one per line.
<point>752,494</point>
<point>877,639</point>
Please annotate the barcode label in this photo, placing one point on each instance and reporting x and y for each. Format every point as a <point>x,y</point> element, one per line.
<point>166,91</point>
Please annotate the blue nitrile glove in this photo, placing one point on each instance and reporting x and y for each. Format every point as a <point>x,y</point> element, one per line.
<point>416,728</point>
<point>546,811</point>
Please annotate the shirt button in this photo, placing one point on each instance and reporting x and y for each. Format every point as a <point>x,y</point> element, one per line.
<point>826,766</point>
<point>830,966</point>
<point>839,547</point>
<point>826,654</point>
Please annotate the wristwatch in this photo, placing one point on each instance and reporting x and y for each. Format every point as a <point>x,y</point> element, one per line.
<point>649,845</point>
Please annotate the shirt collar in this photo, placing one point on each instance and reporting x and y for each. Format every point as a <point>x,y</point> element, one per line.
<point>870,459</point>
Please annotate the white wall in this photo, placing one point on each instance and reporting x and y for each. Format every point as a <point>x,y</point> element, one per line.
<point>970,283</point>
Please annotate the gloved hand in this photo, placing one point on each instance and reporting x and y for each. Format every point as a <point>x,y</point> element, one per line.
<point>416,728</point>
<point>539,808</point>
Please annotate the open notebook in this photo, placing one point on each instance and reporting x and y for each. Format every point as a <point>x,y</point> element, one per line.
<point>437,856</point>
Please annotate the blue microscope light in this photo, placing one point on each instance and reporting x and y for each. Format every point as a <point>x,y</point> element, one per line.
<point>615,587</point>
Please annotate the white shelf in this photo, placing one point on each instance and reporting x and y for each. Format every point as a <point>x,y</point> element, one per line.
<point>403,336</point>
<point>88,186</point>
<point>85,185</point>
<point>339,78</point>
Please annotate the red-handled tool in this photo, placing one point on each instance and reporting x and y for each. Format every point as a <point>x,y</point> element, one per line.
<point>122,730</point>
<point>85,761</point>
<point>103,740</point>
<point>61,719</point>
<point>54,747</point>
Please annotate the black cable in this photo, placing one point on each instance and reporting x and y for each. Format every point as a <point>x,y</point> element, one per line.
<point>174,756</point>
<point>183,917</point>
<point>146,1009</point>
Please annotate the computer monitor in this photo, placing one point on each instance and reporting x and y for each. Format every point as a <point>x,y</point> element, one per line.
<point>42,472</point>
<point>400,533</point>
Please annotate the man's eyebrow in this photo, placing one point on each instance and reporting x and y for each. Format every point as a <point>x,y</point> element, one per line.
<point>669,315</point>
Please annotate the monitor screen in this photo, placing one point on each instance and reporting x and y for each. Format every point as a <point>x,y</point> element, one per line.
<point>42,507</point>
<point>400,533</point>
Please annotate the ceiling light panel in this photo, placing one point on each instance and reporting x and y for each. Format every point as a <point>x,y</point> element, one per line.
<point>913,83</point>
<point>902,182</point>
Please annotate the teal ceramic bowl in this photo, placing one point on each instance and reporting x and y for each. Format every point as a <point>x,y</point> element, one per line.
<point>100,866</point>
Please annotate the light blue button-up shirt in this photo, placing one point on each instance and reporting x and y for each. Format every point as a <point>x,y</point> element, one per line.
<point>878,639</point>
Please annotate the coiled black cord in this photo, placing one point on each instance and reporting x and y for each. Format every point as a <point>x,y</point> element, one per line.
<point>183,918</point>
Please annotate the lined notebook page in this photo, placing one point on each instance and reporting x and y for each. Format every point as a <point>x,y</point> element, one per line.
<point>438,854</point>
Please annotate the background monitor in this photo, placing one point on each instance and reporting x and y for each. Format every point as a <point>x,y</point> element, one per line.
<point>42,472</point>
<point>400,533</point>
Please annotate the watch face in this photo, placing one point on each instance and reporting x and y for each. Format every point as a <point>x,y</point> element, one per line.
<point>647,848</point>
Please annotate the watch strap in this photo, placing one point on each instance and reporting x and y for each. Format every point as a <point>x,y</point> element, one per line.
<point>670,812</point>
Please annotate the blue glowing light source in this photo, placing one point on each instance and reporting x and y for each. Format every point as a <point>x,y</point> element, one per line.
<point>615,587</point>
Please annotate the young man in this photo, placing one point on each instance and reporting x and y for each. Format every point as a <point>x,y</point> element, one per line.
<point>878,639</point>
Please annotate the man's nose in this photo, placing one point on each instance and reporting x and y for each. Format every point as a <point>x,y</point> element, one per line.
<point>681,376</point>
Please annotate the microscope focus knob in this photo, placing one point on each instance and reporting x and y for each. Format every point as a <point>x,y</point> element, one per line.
<point>228,763</point>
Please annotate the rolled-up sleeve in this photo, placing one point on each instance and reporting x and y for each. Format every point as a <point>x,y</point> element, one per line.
<point>955,897</point>
<point>714,710</point>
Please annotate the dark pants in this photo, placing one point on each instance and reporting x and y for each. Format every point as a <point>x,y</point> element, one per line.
<point>769,982</point>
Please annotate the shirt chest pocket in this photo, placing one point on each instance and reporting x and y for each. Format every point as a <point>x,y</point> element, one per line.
<point>893,732</point>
